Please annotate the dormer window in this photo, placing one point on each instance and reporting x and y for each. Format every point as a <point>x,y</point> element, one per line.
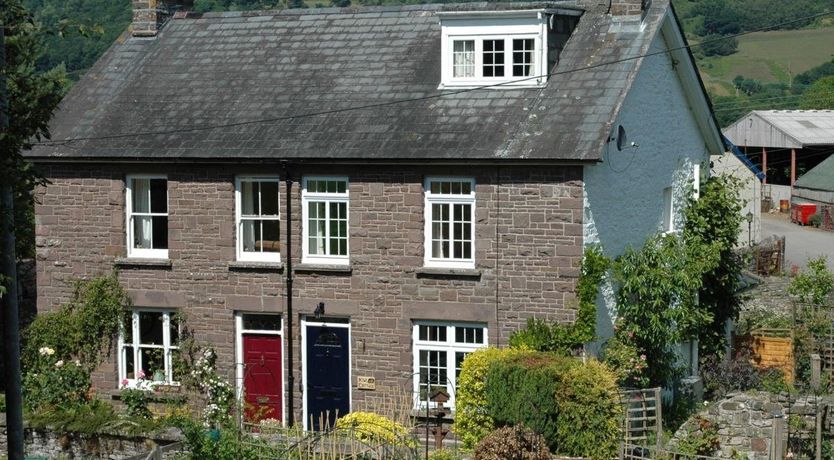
<point>506,48</point>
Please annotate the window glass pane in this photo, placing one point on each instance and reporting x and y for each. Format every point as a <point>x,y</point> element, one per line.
<point>459,357</point>
<point>466,188</point>
<point>342,187</point>
<point>270,231</point>
<point>177,371</point>
<point>153,361</point>
<point>160,232</point>
<point>523,57</point>
<point>269,198</point>
<point>493,57</point>
<point>127,327</point>
<point>262,322</point>
<point>127,359</point>
<point>433,370</point>
<point>159,195</point>
<point>142,232</point>
<point>174,326</point>
<point>150,328</point>
<point>250,232</point>
<point>141,191</point>
<point>331,186</point>
<point>463,59</point>
<point>434,187</point>
<point>249,199</point>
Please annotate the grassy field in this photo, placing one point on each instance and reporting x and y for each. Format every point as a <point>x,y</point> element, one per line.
<point>769,57</point>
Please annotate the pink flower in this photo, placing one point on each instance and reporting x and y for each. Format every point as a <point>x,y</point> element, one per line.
<point>140,375</point>
<point>124,382</point>
<point>643,357</point>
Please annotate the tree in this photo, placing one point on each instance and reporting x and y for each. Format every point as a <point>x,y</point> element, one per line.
<point>819,96</point>
<point>32,97</point>
<point>27,100</point>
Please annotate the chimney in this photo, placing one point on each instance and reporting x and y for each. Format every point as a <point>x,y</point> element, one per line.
<point>148,16</point>
<point>629,7</point>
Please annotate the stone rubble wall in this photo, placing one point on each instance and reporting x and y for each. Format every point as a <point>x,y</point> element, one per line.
<point>745,421</point>
<point>111,446</point>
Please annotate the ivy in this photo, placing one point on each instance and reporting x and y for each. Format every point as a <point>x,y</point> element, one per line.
<point>565,338</point>
<point>84,328</point>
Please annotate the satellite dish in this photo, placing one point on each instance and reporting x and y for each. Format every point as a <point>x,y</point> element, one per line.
<point>622,138</point>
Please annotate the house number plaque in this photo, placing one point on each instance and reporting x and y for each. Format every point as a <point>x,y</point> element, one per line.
<point>366,383</point>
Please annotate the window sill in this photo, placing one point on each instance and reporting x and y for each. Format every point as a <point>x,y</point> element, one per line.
<point>254,265</point>
<point>142,262</point>
<point>323,268</point>
<point>448,272</point>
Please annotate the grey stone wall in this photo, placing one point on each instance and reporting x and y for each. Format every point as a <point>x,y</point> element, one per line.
<point>745,421</point>
<point>53,445</point>
<point>528,253</point>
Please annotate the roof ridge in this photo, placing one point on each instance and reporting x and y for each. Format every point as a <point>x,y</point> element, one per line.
<point>371,9</point>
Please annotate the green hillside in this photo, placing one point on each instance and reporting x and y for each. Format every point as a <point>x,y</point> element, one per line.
<point>770,57</point>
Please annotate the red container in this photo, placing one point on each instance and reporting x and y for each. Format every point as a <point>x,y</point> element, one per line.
<point>800,213</point>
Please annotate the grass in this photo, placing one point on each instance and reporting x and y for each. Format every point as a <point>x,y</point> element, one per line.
<point>770,57</point>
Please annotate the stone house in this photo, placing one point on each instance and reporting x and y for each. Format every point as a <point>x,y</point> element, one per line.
<point>345,202</point>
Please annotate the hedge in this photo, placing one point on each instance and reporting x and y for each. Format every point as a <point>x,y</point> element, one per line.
<point>522,389</point>
<point>574,406</point>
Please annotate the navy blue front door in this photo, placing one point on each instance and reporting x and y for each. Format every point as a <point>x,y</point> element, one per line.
<point>327,375</point>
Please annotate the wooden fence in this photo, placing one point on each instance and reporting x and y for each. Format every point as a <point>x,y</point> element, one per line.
<point>643,421</point>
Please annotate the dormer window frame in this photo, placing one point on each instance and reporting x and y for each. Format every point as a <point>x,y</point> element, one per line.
<point>478,32</point>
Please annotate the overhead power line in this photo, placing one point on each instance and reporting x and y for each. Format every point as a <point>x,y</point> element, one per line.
<point>422,98</point>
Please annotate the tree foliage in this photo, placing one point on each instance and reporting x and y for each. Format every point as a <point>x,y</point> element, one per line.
<point>716,217</point>
<point>32,95</point>
<point>819,96</point>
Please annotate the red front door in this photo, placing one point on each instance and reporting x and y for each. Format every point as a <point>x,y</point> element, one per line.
<point>263,388</point>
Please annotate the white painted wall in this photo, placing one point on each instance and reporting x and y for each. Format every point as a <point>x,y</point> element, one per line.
<point>751,193</point>
<point>777,193</point>
<point>624,193</point>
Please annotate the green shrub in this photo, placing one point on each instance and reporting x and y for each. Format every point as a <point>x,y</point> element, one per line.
<point>54,382</point>
<point>590,414</point>
<point>627,361</point>
<point>522,389</point>
<point>815,220</point>
<point>375,429</point>
<point>136,402</point>
<point>512,443</point>
<point>472,422</point>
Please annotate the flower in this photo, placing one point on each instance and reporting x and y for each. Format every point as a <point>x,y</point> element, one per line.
<point>124,382</point>
<point>140,375</point>
<point>60,363</point>
<point>77,363</point>
<point>643,357</point>
<point>46,351</point>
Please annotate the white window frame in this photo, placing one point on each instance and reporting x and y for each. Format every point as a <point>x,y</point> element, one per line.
<point>166,348</point>
<point>240,370</point>
<point>668,223</point>
<point>141,252</point>
<point>431,199</point>
<point>249,256</point>
<point>450,346</point>
<point>306,198</point>
<point>495,25</point>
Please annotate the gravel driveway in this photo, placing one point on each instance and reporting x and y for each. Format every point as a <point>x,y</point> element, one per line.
<point>801,243</point>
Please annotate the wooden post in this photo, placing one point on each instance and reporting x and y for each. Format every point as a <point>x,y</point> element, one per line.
<point>816,371</point>
<point>818,432</point>
<point>793,167</point>
<point>777,441</point>
<point>658,404</point>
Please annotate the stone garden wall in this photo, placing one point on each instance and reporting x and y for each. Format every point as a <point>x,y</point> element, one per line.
<point>745,421</point>
<point>52,445</point>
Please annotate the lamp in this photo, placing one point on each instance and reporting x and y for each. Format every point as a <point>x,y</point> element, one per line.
<point>749,228</point>
<point>319,311</point>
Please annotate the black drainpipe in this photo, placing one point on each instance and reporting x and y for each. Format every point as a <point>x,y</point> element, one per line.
<point>291,377</point>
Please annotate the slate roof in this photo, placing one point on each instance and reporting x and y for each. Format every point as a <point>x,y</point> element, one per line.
<point>809,127</point>
<point>821,177</point>
<point>144,97</point>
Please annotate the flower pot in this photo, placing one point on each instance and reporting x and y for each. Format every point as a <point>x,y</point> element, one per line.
<point>159,376</point>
